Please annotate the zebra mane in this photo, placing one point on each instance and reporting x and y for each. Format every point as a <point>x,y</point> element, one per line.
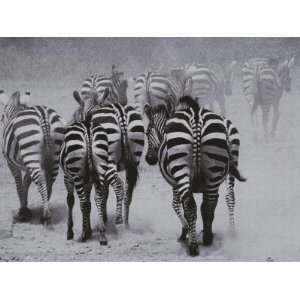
<point>161,108</point>
<point>188,101</point>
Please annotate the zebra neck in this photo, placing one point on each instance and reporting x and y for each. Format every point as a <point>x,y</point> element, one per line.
<point>12,114</point>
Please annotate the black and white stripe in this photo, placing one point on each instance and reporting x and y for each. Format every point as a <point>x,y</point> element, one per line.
<point>76,160</point>
<point>125,135</point>
<point>196,156</point>
<point>264,81</point>
<point>111,139</point>
<point>32,140</point>
<point>115,83</point>
<point>156,89</point>
<point>210,83</point>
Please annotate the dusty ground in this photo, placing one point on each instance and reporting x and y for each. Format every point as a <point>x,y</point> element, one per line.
<point>267,211</point>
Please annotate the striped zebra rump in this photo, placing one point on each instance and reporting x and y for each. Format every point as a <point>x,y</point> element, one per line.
<point>126,132</point>
<point>204,85</point>
<point>32,140</point>
<point>75,155</point>
<point>155,90</point>
<point>210,83</point>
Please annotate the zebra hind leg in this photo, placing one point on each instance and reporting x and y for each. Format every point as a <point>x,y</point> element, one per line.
<point>101,194</point>
<point>190,211</point>
<point>118,187</point>
<point>23,214</point>
<point>26,183</point>
<point>70,201</point>
<point>208,211</point>
<point>83,191</point>
<point>265,121</point>
<point>42,188</point>
<point>178,208</point>
<point>275,120</point>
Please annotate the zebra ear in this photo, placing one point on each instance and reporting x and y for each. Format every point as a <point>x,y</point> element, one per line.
<point>170,105</point>
<point>15,98</point>
<point>105,94</point>
<point>291,62</point>
<point>3,98</point>
<point>78,98</point>
<point>148,111</point>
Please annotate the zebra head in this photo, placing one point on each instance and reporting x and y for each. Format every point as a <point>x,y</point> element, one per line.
<point>121,84</point>
<point>228,78</point>
<point>122,90</point>
<point>284,70</point>
<point>78,114</point>
<point>158,117</point>
<point>86,106</point>
<point>12,105</point>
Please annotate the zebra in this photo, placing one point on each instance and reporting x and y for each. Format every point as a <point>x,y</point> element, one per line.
<point>32,140</point>
<point>264,81</point>
<point>157,89</point>
<point>76,160</point>
<point>115,137</point>
<point>196,156</point>
<point>209,83</point>
<point>116,83</point>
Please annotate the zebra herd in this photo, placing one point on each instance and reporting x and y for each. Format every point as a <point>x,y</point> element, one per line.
<point>196,149</point>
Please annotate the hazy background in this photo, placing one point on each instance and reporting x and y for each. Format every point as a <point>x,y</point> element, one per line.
<point>268,205</point>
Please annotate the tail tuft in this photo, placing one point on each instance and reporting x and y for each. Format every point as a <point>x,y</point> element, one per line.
<point>233,170</point>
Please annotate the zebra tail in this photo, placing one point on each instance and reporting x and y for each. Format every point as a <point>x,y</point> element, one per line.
<point>235,172</point>
<point>47,157</point>
<point>131,168</point>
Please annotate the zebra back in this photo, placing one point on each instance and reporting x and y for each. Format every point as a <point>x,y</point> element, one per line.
<point>156,89</point>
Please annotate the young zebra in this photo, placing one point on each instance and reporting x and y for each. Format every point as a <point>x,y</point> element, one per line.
<point>264,81</point>
<point>195,157</point>
<point>116,83</point>
<point>32,140</point>
<point>112,140</point>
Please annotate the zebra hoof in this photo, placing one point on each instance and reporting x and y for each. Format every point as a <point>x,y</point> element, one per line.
<point>24,215</point>
<point>103,243</point>
<point>207,239</point>
<point>119,220</point>
<point>70,235</point>
<point>47,222</point>
<point>194,249</point>
<point>85,235</point>
<point>183,235</point>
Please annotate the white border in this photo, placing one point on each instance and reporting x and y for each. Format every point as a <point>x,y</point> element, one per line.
<point>149,18</point>
<point>149,280</point>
